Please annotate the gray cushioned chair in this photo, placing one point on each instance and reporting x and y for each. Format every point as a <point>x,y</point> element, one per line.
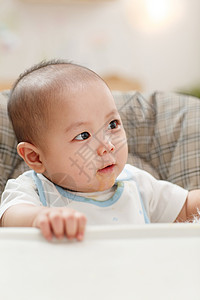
<point>163,132</point>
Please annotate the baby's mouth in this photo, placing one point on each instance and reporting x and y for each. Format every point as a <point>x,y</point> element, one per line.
<point>107,169</point>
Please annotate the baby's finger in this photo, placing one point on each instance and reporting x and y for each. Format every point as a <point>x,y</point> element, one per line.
<point>43,224</point>
<point>71,226</point>
<point>81,226</point>
<point>57,223</point>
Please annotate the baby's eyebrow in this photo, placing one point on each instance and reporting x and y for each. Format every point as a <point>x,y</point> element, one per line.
<point>113,112</point>
<point>76,125</point>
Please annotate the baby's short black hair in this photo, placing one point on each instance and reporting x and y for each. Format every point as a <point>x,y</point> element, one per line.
<point>35,91</point>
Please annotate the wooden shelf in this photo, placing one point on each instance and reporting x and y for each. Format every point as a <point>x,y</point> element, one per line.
<point>5,85</point>
<point>121,83</point>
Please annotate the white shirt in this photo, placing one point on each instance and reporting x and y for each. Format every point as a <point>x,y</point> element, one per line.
<point>135,198</point>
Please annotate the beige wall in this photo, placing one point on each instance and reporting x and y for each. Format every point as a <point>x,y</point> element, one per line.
<point>111,37</point>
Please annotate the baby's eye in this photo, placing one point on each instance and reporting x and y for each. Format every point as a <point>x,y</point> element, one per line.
<point>113,124</point>
<point>82,136</point>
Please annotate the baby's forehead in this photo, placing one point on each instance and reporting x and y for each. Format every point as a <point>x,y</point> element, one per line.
<point>89,95</point>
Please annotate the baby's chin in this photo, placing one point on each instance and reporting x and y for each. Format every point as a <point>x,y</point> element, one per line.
<point>102,185</point>
<point>101,181</point>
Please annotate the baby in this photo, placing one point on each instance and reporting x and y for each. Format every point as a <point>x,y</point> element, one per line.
<point>71,135</point>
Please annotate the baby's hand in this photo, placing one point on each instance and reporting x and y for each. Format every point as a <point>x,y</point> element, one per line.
<point>60,222</point>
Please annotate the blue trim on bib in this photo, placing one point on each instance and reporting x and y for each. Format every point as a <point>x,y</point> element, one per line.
<point>127,176</point>
<point>146,218</point>
<point>74,197</point>
<point>106,203</point>
<point>40,189</point>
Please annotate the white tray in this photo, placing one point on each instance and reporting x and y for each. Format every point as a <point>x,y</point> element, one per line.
<point>119,263</point>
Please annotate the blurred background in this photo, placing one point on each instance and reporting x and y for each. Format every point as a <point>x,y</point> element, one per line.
<point>145,45</point>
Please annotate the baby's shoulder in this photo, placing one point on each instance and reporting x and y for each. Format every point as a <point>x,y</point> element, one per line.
<point>24,179</point>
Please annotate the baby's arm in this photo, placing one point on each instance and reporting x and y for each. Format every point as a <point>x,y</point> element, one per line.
<point>190,208</point>
<point>55,221</point>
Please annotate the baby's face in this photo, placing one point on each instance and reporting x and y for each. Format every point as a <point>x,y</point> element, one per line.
<point>86,146</point>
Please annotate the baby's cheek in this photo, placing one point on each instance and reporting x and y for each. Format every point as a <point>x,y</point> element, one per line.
<point>83,174</point>
<point>105,183</point>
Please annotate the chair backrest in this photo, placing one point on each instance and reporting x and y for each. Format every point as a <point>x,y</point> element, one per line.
<point>163,133</point>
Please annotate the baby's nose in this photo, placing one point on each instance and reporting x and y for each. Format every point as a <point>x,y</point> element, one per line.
<point>104,148</point>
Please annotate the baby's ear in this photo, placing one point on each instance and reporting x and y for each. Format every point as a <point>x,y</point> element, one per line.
<point>31,156</point>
